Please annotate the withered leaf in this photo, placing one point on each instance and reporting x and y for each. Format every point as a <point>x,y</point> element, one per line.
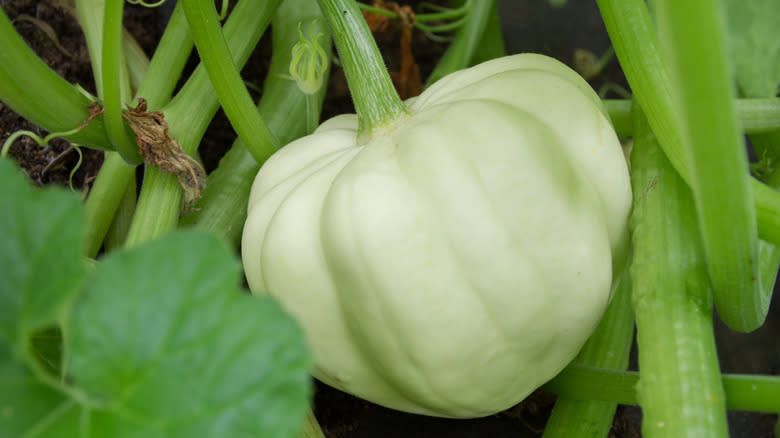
<point>160,149</point>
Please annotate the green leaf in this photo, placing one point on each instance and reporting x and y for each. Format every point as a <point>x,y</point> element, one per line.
<point>163,344</point>
<point>28,407</point>
<point>41,244</point>
<point>753,33</point>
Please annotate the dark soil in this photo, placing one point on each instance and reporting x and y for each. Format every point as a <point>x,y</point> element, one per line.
<point>529,26</point>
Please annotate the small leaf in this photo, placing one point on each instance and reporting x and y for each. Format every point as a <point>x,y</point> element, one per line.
<point>41,247</point>
<point>29,407</point>
<point>753,33</point>
<point>164,345</point>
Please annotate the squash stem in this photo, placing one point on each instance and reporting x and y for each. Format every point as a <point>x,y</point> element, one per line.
<point>376,102</point>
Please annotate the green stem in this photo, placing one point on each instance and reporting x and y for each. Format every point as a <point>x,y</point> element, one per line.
<point>636,45</point>
<point>767,206</point>
<point>491,45</point>
<point>117,232</point>
<point>112,68</point>
<point>376,102</point>
<point>159,204</point>
<point>757,116</point>
<point>767,147</point>
<point>90,14</point>
<point>464,47</point>
<point>679,388</point>
<point>608,347</point>
<point>37,93</point>
<point>743,392</point>
<point>619,111</point>
<point>312,113</point>
<point>168,61</point>
<point>222,209</point>
<point>693,33</point>
<point>158,84</point>
<point>104,198</point>
<point>311,429</point>
<point>135,59</point>
<point>226,79</point>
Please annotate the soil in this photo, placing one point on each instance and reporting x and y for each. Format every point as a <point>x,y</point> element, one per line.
<point>528,27</point>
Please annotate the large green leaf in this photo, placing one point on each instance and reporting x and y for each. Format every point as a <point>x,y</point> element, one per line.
<point>163,344</point>
<point>40,255</point>
<point>30,408</point>
<point>754,32</point>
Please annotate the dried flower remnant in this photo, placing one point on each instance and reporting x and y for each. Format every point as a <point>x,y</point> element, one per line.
<point>160,149</point>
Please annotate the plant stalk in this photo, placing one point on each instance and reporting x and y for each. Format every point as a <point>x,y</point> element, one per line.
<point>376,102</point>
<point>114,73</point>
<point>607,348</point>
<point>226,79</point>
<point>159,204</point>
<point>679,388</point>
<point>156,87</point>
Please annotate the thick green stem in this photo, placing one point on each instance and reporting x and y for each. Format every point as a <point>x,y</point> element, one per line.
<point>223,207</point>
<point>757,116</point>
<point>159,204</point>
<point>168,61</point>
<point>136,60</point>
<point>37,93</point>
<point>636,45</point>
<point>158,84</point>
<point>226,79</point>
<point>376,102</point>
<point>491,45</point>
<point>767,147</point>
<point>104,198</point>
<point>743,392</point>
<point>90,14</point>
<point>608,347</point>
<point>116,174</point>
<point>693,33</point>
<point>112,75</point>
<point>679,388</point>
<point>117,232</point>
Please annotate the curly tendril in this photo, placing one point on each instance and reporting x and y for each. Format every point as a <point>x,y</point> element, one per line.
<point>222,12</point>
<point>146,4</point>
<point>35,137</point>
<point>447,18</point>
<point>309,62</point>
<point>44,142</point>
